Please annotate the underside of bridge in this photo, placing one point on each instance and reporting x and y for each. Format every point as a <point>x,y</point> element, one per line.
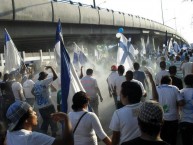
<point>33,36</point>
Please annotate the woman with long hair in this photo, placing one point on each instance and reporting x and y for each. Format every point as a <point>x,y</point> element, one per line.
<point>86,125</point>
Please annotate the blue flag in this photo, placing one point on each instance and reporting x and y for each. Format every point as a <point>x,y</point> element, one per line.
<point>70,83</point>
<point>65,68</point>
<point>79,57</point>
<point>75,58</point>
<point>82,58</point>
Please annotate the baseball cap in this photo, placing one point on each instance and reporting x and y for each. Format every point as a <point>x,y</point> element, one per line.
<point>15,112</point>
<point>151,112</point>
<point>113,68</point>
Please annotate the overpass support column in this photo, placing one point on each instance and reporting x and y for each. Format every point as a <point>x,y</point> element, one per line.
<point>41,56</point>
<point>2,63</point>
<point>23,55</point>
<point>50,55</point>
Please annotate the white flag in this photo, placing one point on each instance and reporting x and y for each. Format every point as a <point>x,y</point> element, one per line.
<point>12,57</point>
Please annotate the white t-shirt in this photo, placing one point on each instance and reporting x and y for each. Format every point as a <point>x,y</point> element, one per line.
<point>179,71</point>
<point>87,128</point>
<point>140,84</point>
<point>27,87</point>
<point>16,86</point>
<point>90,85</point>
<point>159,76</point>
<point>111,79</point>
<point>25,137</point>
<point>118,82</point>
<point>187,109</point>
<point>191,59</point>
<point>168,97</point>
<point>187,68</point>
<point>125,121</point>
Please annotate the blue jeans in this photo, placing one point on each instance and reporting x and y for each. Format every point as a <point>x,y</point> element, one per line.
<point>45,113</point>
<point>94,103</point>
<point>186,130</point>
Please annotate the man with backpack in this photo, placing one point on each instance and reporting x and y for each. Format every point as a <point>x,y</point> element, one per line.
<point>43,100</point>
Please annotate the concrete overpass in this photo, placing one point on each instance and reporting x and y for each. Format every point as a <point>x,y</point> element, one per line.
<point>32,24</point>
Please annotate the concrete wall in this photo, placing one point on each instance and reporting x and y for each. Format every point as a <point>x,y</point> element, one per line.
<point>89,16</point>
<point>128,20</point>
<point>33,10</point>
<point>6,10</point>
<point>106,17</point>
<point>119,19</point>
<point>70,15</point>
<point>136,22</point>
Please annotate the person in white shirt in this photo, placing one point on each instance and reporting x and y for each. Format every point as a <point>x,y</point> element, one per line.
<point>18,89</point>
<point>168,97</point>
<point>161,73</point>
<point>124,120</point>
<point>86,125</point>
<point>117,85</point>
<point>187,67</point>
<point>111,81</point>
<point>22,120</point>
<point>41,91</point>
<point>27,87</point>
<point>186,121</point>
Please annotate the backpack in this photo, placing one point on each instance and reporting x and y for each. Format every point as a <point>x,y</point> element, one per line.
<point>37,91</point>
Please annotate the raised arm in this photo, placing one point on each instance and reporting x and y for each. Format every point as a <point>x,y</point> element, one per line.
<point>55,76</point>
<point>154,91</point>
<point>67,138</point>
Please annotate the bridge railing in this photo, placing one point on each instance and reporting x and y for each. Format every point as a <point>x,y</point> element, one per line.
<point>41,57</point>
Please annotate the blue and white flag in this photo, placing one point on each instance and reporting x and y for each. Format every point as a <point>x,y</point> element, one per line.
<point>70,83</point>
<point>12,57</point>
<point>124,55</point>
<point>79,57</point>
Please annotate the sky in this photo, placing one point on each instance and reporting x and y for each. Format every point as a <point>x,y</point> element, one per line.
<point>177,13</point>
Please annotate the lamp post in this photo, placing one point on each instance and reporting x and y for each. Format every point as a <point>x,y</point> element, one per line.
<point>162,13</point>
<point>94,4</point>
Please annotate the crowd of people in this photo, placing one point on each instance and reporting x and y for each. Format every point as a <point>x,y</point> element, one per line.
<point>152,106</point>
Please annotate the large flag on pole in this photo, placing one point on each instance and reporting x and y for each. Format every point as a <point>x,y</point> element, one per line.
<point>124,56</point>
<point>70,83</point>
<point>12,57</point>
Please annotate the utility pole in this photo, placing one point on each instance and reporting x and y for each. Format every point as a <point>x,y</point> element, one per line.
<point>162,13</point>
<point>94,4</point>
